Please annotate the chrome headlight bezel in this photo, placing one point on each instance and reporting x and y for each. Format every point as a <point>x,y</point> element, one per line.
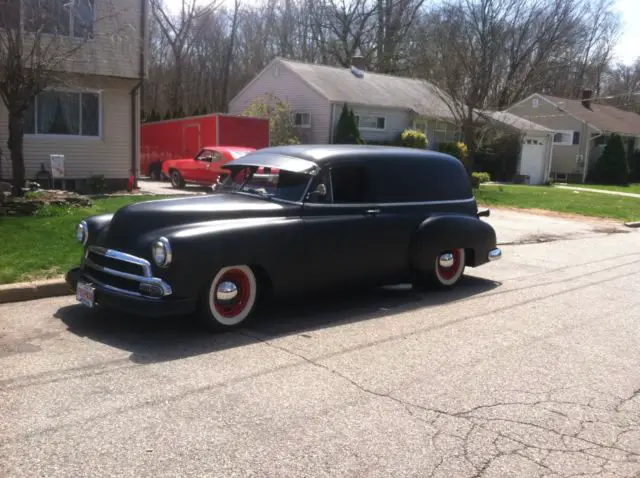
<point>161,252</point>
<point>82,232</point>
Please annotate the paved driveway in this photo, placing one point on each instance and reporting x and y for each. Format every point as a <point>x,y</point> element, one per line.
<point>529,368</point>
<point>148,186</point>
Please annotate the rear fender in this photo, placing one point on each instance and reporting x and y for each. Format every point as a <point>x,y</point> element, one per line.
<point>444,232</point>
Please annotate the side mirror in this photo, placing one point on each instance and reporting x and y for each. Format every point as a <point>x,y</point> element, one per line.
<point>319,192</point>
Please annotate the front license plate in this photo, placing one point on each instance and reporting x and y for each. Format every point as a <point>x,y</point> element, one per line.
<point>85,294</point>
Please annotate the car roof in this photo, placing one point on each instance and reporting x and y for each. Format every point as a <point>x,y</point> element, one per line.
<point>319,154</point>
<point>228,148</point>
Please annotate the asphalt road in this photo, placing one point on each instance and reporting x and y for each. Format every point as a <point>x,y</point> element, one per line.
<point>529,368</point>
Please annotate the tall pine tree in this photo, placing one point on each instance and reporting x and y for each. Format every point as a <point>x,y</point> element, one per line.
<point>347,131</point>
<point>612,167</point>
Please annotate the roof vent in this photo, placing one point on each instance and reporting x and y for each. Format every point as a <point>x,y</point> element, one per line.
<point>358,73</point>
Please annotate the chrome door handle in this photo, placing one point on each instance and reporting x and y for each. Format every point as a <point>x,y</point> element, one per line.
<point>372,212</point>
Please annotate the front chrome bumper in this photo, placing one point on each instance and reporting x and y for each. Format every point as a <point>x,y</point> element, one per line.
<point>123,273</point>
<point>494,254</point>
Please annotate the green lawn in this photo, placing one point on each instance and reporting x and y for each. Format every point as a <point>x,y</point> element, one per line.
<point>560,200</point>
<point>631,188</point>
<point>44,246</point>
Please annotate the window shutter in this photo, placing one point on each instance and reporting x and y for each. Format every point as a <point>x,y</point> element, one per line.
<point>576,137</point>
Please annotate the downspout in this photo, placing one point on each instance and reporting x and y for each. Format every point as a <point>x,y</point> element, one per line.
<point>135,99</point>
<point>549,157</point>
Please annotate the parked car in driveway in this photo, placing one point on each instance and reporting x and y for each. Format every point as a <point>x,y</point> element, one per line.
<point>315,217</point>
<point>205,168</point>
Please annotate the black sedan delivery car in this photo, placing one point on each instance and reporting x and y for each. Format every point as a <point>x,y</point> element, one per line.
<point>287,220</point>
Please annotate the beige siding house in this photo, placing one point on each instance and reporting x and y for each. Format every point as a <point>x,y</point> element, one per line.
<point>580,129</point>
<point>91,114</point>
<point>384,105</point>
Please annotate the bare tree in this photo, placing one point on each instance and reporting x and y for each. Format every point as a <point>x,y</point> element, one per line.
<point>484,53</point>
<point>39,41</point>
<point>181,32</point>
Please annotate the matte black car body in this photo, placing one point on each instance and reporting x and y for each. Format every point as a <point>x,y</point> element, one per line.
<point>405,207</point>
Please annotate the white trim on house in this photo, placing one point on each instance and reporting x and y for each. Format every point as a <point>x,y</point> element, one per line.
<point>74,137</point>
<point>302,115</point>
<point>372,128</point>
<point>566,138</point>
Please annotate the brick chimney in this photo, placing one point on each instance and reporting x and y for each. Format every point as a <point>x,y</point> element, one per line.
<point>586,98</point>
<point>357,61</point>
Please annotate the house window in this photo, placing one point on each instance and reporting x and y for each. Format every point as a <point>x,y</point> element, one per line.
<point>535,102</point>
<point>446,132</point>
<point>420,126</point>
<point>64,113</point>
<point>302,120</point>
<point>566,138</point>
<point>60,17</point>
<point>371,122</point>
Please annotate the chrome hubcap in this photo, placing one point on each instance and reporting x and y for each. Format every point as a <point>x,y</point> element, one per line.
<point>226,291</point>
<point>445,260</point>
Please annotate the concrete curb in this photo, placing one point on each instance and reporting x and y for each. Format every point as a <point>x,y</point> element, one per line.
<point>632,224</point>
<point>41,289</point>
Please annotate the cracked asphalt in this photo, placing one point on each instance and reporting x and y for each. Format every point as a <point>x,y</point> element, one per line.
<point>531,367</point>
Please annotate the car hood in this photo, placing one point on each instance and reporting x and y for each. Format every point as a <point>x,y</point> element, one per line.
<point>135,220</point>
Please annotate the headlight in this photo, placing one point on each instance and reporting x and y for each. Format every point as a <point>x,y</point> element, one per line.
<point>161,252</point>
<point>82,232</point>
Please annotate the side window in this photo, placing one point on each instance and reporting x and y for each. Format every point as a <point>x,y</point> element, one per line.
<point>351,184</point>
<point>215,156</point>
<point>205,155</point>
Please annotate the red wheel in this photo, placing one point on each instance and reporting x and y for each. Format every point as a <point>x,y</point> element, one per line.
<point>231,297</point>
<point>449,266</point>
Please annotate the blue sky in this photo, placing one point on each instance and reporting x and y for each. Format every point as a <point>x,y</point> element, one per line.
<point>628,48</point>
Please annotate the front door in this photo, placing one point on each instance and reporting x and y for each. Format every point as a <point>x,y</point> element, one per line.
<point>341,228</point>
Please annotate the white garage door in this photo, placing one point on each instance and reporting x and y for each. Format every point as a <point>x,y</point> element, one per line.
<point>532,162</point>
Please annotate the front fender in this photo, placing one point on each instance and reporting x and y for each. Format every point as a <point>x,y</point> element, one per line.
<point>449,231</point>
<point>98,226</point>
<point>200,250</point>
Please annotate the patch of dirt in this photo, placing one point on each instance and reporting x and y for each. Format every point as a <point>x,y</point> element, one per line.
<point>32,201</point>
<point>535,239</point>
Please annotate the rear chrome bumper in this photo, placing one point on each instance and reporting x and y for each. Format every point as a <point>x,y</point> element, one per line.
<point>494,254</point>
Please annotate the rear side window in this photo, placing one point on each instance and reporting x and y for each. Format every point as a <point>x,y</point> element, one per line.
<point>351,183</point>
<point>417,179</point>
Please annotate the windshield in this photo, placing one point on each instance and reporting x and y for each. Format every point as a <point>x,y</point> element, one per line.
<point>266,182</point>
<point>238,154</point>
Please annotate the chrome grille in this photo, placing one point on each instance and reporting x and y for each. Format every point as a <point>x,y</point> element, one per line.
<point>121,271</point>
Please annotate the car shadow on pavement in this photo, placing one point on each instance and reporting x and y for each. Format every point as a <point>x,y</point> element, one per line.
<point>173,338</point>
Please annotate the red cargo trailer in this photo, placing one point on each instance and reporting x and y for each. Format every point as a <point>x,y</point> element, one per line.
<point>185,137</point>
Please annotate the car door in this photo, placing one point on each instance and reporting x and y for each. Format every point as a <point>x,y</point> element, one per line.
<point>202,167</point>
<point>341,227</point>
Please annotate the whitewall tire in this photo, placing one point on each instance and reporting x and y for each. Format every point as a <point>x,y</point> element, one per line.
<point>231,297</point>
<point>448,267</point>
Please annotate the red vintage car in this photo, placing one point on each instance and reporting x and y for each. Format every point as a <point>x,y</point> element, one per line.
<point>205,168</point>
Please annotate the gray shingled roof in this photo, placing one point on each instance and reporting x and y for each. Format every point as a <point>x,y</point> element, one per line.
<point>514,121</point>
<point>340,85</point>
<point>604,117</point>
